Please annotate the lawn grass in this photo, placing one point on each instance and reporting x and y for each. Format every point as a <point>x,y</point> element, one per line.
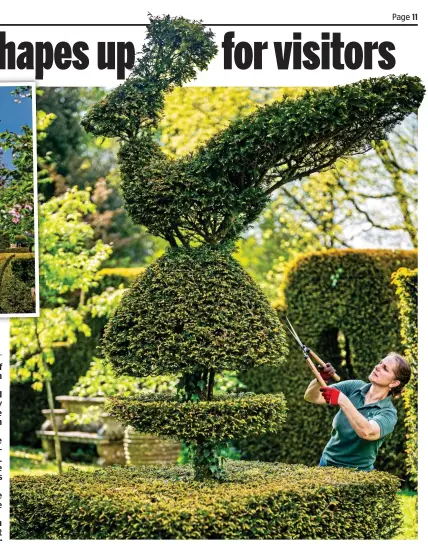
<point>409,508</point>
<point>30,462</point>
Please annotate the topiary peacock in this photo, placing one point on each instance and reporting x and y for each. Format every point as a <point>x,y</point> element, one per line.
<point>195,312</point>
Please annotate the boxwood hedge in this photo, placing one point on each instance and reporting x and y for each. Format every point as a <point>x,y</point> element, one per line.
<point>342,305</point>
<point>4,241</point>
<point>16,250</point>
<point>260,501</point>
<point>406,282</point>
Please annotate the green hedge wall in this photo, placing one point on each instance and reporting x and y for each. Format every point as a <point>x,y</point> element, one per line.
<point>16,250</point>
<point>406,282</point>
<point>17,277</point>
<point>114,277</point>
<point>327,292</point>
<point>259,501</point>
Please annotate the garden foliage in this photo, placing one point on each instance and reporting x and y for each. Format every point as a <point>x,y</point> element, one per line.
<point>342,305</point>
<point>195,312</point>
<point>221,419</point>
<point>17,277</point>
<point>71,362</point>
<point>212,195</point>
<point>4,240</point>
<point>17,180</point>
<point>260,501</point>
<point>406,282</point>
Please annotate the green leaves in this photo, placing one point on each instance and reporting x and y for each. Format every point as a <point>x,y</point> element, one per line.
<point>67,263</point>
<point>353,325</point>
<point>17,183</point>
<point>174,49</point>
<point>204,422</point>
<point>214,194</point>
<point>406,282</point>
<point>307,135</point>
<point>193,309</point>
<point>259,501</point>
<point>17,279</point>
<point>69,259</point>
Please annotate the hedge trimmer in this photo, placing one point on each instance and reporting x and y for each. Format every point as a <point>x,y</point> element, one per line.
<point>307,354</point>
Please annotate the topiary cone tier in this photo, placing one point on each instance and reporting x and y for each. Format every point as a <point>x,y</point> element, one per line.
<point>195,313</point>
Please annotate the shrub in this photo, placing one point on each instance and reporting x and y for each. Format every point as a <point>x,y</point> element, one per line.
<point>4,241</point>
<point>101,381</point>
<point>23,268</point>
<point>114,277</point>
<point>191,309</point>
<point>17,277</point>
<point>21,240</point>
<point>342,305</point>
<point>195,311</point>
<point>406,282</point>
<point>259,501</point>
<point>223,418</point>
<point>72,362</point>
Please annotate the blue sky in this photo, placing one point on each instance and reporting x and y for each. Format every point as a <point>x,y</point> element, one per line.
<point>13,115</point>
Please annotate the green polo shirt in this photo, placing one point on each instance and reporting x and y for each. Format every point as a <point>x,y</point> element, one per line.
<point>345,448</point>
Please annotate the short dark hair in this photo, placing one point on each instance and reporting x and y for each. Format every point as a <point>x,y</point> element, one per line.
<point>402,372</point>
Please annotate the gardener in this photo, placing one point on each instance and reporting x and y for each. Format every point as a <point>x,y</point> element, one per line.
<point>366,414</point>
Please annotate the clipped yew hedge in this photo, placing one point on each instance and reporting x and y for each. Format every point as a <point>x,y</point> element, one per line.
<point>327,292</point>
<point>115,277</point>
<point>17,277</point>
<point>223,418</point>
<point>260,501</point>
<point>406,282</point>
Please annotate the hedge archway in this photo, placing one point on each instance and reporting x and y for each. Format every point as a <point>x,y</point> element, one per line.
<point>347,291</point>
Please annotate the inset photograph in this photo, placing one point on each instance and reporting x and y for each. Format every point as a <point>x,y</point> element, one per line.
<point>18,198</point>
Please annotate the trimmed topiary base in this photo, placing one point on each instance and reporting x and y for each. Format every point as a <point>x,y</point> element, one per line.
<point>260,501</point>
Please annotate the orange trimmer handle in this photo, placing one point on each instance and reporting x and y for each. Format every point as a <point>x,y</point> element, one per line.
<point>335,377</point>
<point>315,371</point>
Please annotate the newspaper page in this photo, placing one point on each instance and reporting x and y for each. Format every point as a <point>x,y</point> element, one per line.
<point>226,240</point>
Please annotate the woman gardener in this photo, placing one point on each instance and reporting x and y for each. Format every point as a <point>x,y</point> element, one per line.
<point>367,414</point>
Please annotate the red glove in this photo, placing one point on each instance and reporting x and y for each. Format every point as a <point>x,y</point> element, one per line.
<point>326,372</point>
<point>331,395</point>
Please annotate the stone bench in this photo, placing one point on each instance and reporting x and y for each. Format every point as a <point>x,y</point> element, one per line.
<point>106,435</point>
<point>115,445</point>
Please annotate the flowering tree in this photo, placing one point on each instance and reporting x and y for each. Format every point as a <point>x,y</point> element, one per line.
<point>17,181</point>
